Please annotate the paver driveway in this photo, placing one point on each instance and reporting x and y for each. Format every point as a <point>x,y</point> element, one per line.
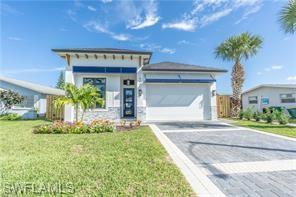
<point>239,162</point>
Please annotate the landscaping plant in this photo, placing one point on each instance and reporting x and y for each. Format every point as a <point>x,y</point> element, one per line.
<point>10,98</point>
<point>10,116</point>
<point>248,114</point>
<point>257,116</point>
<point>238,48</point>
<point>59,127</point>
<point>85,98</point>
<point>281,117</point>
<point>241,114</point>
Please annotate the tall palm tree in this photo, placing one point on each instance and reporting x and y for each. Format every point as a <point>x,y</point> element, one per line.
<point>85,98</point>
<point>238,48</point>
<point>288,17</point>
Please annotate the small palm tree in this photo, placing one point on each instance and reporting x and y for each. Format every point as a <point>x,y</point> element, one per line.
<point>237,48</point>
<point>85,98</point>
<point>288,17</point>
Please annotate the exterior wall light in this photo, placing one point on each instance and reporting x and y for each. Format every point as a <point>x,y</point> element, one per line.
<point>213,92</point>
<point>140,92</point>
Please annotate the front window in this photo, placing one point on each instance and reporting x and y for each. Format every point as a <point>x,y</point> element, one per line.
<point>100,84</point>
<point>265,100</point>
<point>253,99</point>
<point>288,98</point>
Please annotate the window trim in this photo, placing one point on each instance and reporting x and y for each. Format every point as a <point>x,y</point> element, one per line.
<point>254,100</point>
<point>105,95</point>
<point>293,97</point>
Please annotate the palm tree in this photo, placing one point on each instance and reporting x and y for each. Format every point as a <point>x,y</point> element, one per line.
<point>237,48</point>
<point>85,98</point>
<point>288,17</point>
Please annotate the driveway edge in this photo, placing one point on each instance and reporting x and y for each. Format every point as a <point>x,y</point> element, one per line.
<point>198,181</point>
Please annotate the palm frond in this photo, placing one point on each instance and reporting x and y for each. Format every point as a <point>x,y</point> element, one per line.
<point>288,17</point>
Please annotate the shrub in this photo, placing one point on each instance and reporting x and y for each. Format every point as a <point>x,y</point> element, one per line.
<point>59,127</point>
<point>263,116</point>
<point>270,117</point>
<point>241,114</point>
<point>281,117</point>
<point>10,116</point>
<point>257,116</point>
<point>248,114</point>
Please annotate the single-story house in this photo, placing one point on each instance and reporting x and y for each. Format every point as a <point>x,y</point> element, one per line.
<point>34,96</point>
<point>269,95</point>
<point>134,88</point>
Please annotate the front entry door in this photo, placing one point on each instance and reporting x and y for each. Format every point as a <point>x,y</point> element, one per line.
<point>128,102</point>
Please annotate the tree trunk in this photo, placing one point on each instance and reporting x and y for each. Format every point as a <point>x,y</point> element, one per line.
<point>237,83</point>
<point>76,112</point>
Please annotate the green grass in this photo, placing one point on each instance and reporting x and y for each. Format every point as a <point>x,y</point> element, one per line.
<point>110,164</point>
<point>276,129</point>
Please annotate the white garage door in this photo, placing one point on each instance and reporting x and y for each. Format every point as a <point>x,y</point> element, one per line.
<point>177,101</point>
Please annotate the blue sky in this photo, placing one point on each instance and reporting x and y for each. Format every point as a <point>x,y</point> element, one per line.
<point>181,31</point>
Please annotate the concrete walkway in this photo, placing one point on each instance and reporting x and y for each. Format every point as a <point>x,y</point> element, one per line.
<point>219,159</point>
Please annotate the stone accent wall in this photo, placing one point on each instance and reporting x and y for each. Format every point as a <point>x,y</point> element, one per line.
<point>112,113</point>
<point>141,113</point>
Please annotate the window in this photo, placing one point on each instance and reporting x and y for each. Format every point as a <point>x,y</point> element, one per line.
<point>288,98</point>
<point>253,99</point>
<point>100,84</point>
<point>28,102</point>
<point>265,100</point>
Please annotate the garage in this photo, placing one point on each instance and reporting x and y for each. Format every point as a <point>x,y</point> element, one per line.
<point>183,101</point>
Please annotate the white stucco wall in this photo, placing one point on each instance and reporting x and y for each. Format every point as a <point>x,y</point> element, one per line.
<point>272,93</point>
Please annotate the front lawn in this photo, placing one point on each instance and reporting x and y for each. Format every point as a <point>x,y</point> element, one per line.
<point>267,127</point>
<point>108,164</point>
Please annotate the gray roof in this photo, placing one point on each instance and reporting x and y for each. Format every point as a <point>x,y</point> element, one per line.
<point>271,86</point>
<point>32,86</point>
<point>102,50</point>
<point>173,66</point>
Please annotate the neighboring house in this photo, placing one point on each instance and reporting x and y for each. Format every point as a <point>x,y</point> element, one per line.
<point>34,96</point>
<point>133,88</point>
<point>268,95</point>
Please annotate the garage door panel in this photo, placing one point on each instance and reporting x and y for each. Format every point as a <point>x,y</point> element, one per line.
<point>176,101</point>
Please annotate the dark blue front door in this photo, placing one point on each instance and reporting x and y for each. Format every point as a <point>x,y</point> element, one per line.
<point>128,102</point>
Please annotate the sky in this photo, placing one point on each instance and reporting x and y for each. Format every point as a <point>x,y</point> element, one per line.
<point>180,31</point>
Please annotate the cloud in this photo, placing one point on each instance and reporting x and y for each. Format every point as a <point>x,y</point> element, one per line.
<point>259,73</point>
<point>181,25</point>
<point>139,17</point>
<point>106,1</point>
<point>205,12</point>
<point>100,28</point>
<point>277,67</point>
<point>34,70</point>
<point>63,29</point>
<point>168,50</point>
<point>249,12</point>
<point>8,9</point>
<point>14,38</point>
<point>292,78</point>
<point>186,42</point>
<point>157,47</point>
<point>91,8</point>
<point>72,15</point>
<point>205,20</point>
